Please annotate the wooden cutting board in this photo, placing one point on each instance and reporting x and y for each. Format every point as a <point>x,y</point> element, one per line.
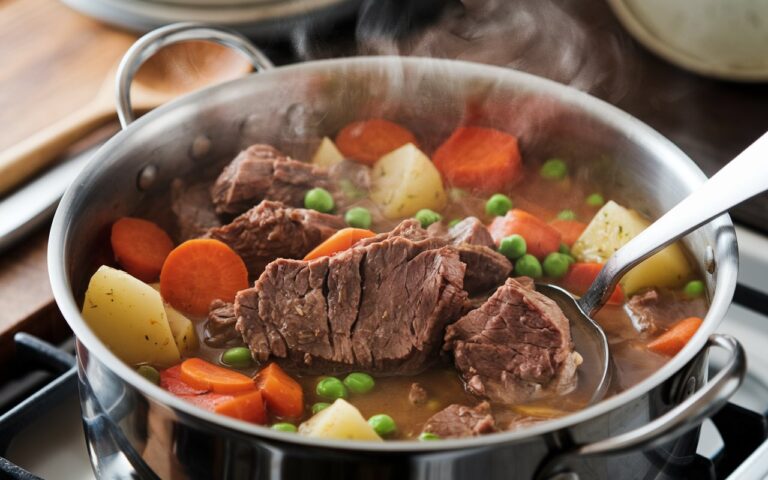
<point>54,60</point>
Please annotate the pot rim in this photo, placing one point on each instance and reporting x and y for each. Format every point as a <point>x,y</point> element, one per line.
<point>725,256</point>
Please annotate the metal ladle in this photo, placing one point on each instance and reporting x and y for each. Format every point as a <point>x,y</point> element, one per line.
<point>743,177</point>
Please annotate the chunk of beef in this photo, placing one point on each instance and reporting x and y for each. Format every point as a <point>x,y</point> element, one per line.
<point>653,310</point>
<point>380,308</point>
<point>261,172</point>
<point>194,210</point>
<point>220,327</point>
<point>271,230</point>
<point>515,347</point>
<point>417,395</point>
<point>486,268</point>
<point>471,231</point>
<point>457,421</point>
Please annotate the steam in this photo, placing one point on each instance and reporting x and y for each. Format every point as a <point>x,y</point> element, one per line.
<point>542,37</point>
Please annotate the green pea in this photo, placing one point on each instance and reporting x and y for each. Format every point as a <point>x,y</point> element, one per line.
<point>513,246</point>
<point>556,265</point>
<point>428,436</point>
<point>528,266</point>
<point>319,407</point>
<point>566,215</point>
<point>554,169</point>
<point>284,427</point>
<point>454,222</point>
<point>150,373</point>
<point>319,199</point>
<point>427,217</point>
<point>498,205</point>
<point>358,217</point>
<point>564,249</point>
<point>331,388</point>
<point>382,424</point>
<point>237,357</point>
<point>694,288</point>
<point>595,200</point>
<point>359,382</point>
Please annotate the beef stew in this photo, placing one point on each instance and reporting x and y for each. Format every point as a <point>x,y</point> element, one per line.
<point>430,304</point>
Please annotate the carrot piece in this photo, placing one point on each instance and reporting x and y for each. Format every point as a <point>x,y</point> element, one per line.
<point>248,407</point>
<point>582,274</point>
<point>207,401</point>
<point>170,379</point>
<point>541,239</point>
<point>200,374</point>
<point>674,339</point>
<point>338,242</point>
<point>200,271</point>
<point>570,230</point>
<point>368,140</point>
<point>140,247</point>
<point>479,158</point>
<point>282,393</point>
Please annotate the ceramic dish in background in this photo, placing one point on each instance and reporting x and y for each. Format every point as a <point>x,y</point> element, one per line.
<point>725,39</point>
<point>255,18</point>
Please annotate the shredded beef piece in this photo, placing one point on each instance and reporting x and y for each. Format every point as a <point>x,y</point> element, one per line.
<point>653,310</point>
<point>456,421</point>
<point>220,327</point>
<point>515,347</point>
<point>380,308</point>
<point>271,230</point>
<point>263,173</point>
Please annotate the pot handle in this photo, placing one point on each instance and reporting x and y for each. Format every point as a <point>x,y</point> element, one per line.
<point>687,415</point>
<point>155,40</point>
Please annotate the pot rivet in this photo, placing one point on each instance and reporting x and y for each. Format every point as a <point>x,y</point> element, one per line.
<point>709,259</point>
<point>147,177</point>
<point>201,145</point>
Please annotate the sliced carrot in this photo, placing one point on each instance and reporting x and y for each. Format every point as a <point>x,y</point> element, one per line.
<point>368,140</point>
<point>200,271</point>
<point>202,375</point>
<point>170,379</point>
<point>282,393</point>
<point>674,339</point>
<point>338,242</point>
<point>248,406</point>
<point>582,274</point>
<point>480,159</point>
<point>207,401</point>
<point>140,247</point>
<point>541,239</point>
<point>570,230</point>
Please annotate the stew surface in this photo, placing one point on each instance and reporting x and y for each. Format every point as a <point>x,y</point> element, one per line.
<point>375,292</point>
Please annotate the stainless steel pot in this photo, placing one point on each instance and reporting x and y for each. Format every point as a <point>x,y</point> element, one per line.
<point>135,428</point>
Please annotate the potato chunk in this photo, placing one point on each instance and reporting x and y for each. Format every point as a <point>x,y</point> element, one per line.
<point>327,155</point>
<point>611,228</point>
<point>182,328</point>
<point>339,421</point>
<point>404,181</point>
<point>129,317</point>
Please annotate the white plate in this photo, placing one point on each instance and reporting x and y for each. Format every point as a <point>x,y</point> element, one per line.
<point>725,39</point>
<point>251,17</point>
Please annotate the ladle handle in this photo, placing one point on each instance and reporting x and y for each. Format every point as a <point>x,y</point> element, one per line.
<point>155,40</point>
<point>743,177</point>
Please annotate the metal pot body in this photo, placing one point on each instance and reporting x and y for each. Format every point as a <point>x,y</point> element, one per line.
<point>133,426</point>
